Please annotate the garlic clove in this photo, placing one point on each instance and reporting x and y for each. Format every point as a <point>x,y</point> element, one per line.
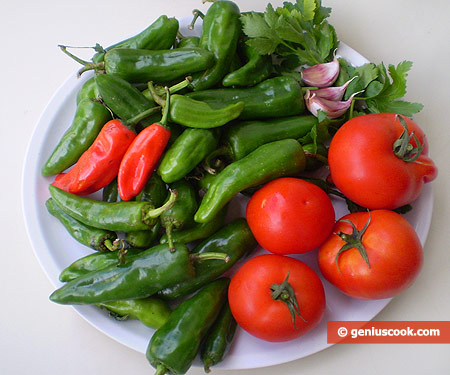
<point>333,93</point>
<point>321,75</point>
<point>332,108</point>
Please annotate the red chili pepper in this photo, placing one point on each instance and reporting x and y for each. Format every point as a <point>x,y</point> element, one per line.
<point>142,156</point>
<point>99,164</point>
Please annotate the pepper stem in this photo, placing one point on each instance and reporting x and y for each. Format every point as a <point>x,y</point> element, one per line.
<point>196,257</point>
<point>156,97</point>
<point>197,13</point>
<point>109,245</point>
<point>134,120</point>
<point>156,212</point>
<point>285,293</point>
<point>165,116</point>
<point>161,369</point>
<point>207,163</point>
<point>87,65</point>
<point>169,228</point>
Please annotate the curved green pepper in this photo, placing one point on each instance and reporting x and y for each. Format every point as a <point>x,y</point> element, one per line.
<point>141,276</point>
<point>189,41</point>
<point>267,162</point>
<point>95,238</point>
<point>220,34</point>
<point>88,90</point>
<point>188,150</point>
<point>256,69</point>
<point>197,114</point>
<point>139,65</point>
<point>174,346</point>
<point>241,138</point>
<point>151,311</point>
<point>161,34</point>
<point>198,231</point>
<point>181,214</point>
<point>274,97</point>
<point>234,239</point>
<point>119,216</point>
<point>219,338</point>
<point>90,116</point>
<point>93,262</point>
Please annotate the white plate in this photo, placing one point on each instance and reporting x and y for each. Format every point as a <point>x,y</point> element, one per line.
<point>55,249</point>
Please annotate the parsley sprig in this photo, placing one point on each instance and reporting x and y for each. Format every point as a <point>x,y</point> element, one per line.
<point>297,31</point>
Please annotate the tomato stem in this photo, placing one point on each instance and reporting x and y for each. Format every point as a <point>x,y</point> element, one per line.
<point>402,147</point>
<point>285,293</point>
<point>353,240</point>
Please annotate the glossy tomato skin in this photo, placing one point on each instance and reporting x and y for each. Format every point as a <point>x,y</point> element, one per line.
<point>290,216</point>
<point>365,169</point>
<point>256,312</point>
<point>393,248</point>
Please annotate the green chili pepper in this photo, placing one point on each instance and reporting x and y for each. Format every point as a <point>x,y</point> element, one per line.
<point>256,69</point>
<point>93,262</point>
<point>244,137</point>
<point>161,34</point>
<point>198,231</point>
<point>156,193</point>
<point>123,98</point>
<point>267,162</point>
<point>162,66</point>
<point>235,63</point>
<point>220,34</point>
<point>97,239</point>
<point>197,114</point>
<point>274,97</point>
<point>90,116</point>
<point>141,276</point>
<point>110,192</point>
<point>174,346</point>
<point>88,90</point>
<point>151,311</point>
<point>234,239</point>
<point>219,339</point>
<point>189,42</point>
<point>120,216</point>
<point>181,214</point>
<point>188,150</point>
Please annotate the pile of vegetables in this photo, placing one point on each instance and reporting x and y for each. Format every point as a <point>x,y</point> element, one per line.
<point>171,128</point>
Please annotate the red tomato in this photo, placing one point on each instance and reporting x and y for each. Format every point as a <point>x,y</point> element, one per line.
<point>393,249</point>
<point>252,305</point>
<point>290,216</point>
<point>365,168</point>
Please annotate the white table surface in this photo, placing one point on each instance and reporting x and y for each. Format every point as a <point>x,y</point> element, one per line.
<point>40,337</point>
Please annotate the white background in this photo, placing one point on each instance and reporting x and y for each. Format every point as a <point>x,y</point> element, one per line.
<point>39,337</point>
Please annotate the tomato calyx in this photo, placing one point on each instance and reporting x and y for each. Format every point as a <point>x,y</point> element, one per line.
<point>285,293</point>
<point>402,147</point>
<point>353,240</point>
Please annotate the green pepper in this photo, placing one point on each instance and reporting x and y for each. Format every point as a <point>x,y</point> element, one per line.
<point>110,192</point>
<point>188,150</point>
<point>156,193</point>
<point>93,262</point>
<point>90,116</point>
<point>219,338</point>
<point>123,98</point>
<point>256,69</point>
<point>88,90</point>
<point>141,276</point>
<point>97,239</point>
<point>198,231</point>
<point>241,138</point>
<point>181,214</point>
<point>220,34</point>
<point>118,216</point>
<point>234,239</point>
<point>189,41</point>
<point>274,97</point>
<point>151,311</point>
<point>267,162</point>
<point>162,66</point>
<point>174,346</point>
<point>197,114</point>
<point>161,34</point>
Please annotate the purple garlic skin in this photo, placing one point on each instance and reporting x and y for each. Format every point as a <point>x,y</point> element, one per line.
<point>333,93</point>
<point>321,75</point>
<point>332,108</point>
